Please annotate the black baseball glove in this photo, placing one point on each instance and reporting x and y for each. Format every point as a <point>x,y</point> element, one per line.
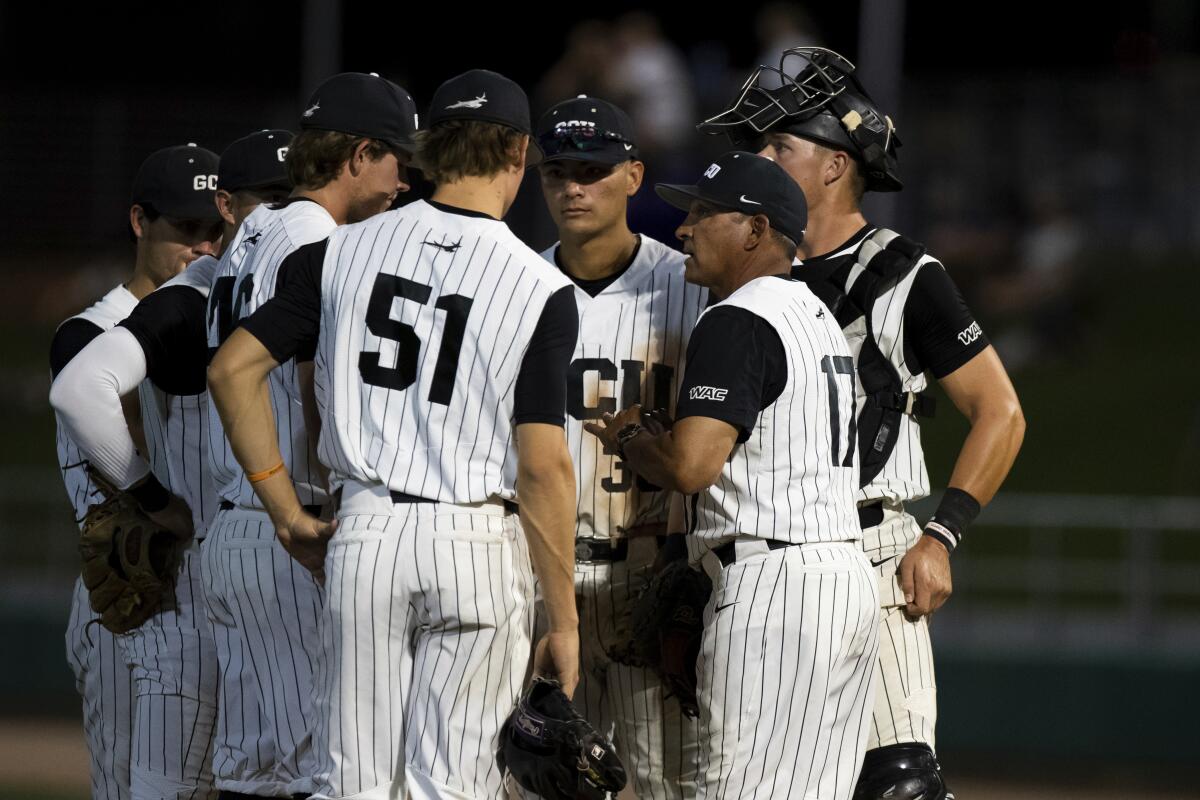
<point>551,750</point>
<point>666,625</point>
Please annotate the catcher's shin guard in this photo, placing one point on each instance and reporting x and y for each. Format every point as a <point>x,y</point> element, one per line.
<point>907,771</point>
<point>551,750</point>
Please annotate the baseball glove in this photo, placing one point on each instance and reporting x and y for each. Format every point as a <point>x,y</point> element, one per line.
<point>551,750</point>
<point>666,625</point>
<point>129,562</point>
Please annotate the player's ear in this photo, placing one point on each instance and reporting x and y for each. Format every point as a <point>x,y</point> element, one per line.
<point>224,201</point>
<point>359,157</point>
<point>636,171</point>
<point>522,155</point>
<point>758,230</point>
<point>137,221</point>
<point>836,166</point>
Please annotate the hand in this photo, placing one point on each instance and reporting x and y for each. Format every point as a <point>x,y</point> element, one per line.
<point>306,538</point>
<point>609,426</point>
<point>175,517</point>
<point>557,656</point>
<point>925,577</point>
<point>657,421</point>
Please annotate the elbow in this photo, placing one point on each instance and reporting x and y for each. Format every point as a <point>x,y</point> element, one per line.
<point>64,393</point>
<point>1016,422</point>
<point>691,476</point>
<point>221,372</point>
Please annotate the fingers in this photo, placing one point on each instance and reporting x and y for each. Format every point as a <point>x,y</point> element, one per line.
<point>906,579</point>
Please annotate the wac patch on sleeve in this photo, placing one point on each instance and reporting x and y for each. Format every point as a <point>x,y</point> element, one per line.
<point>707,393</point>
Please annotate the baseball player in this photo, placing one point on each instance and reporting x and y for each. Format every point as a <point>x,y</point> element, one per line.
<point>820,125</point>
<point>347,163</point>
<point>635,314</point>
<point>148,694</point>
<point>764,446</point>
<point>441,353</point>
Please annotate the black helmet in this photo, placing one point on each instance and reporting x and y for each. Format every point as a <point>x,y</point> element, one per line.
<point>820,100</point>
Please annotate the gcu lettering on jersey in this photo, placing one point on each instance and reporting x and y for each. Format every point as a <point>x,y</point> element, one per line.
<point>633,336</point>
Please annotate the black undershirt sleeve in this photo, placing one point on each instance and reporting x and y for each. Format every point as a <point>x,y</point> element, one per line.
<point>289,324</point>
<point>71,337</point>
<point>541,391</point>
<point>169,324</point>
<point>736,367</point>
<point>941,333</point>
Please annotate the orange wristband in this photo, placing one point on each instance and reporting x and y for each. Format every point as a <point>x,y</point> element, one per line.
<point>255,477</point>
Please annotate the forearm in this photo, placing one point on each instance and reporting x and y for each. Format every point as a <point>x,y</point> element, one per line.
<point>238,387</point>
<point>656,458</point>
<point>548,517</point>
<point>989,451</point>
<point>87,396</point>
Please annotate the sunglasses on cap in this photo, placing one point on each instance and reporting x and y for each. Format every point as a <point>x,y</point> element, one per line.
<point>579,139</point>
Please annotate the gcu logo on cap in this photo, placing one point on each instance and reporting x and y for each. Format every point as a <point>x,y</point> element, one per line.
<point>573,123</point>
<point>202,182</point>
<point>281,153</point>
<point>712,171</point>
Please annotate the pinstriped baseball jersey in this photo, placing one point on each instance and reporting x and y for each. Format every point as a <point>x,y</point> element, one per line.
<point>220,320</point>
<point>416,374</point>
<point>176,426</point>
<point>903,477</point>
<point>296,223</point>
<point>104,314</point>
<point>632,339</point>
<point>794,478</point>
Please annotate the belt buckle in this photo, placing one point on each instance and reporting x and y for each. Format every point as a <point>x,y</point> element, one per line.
<point>583,551</point>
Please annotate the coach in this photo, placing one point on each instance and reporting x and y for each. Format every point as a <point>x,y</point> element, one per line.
<point>765,447</point>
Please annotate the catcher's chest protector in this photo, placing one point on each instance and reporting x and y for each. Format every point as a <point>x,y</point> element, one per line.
<point>883,260</point>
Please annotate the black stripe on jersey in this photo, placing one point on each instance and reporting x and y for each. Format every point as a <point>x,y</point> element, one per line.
<point>71,337</point>
<point>169,325</point>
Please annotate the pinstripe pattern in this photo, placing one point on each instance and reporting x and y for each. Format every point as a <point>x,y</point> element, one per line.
<point>782,483</point>
<point>632,341</point>
<point>175,682</point>
<point>906,677</point>
<point>276,233</point>
<point>264,607</point>
<point>903,477</point>
<point>172,655</point>
<point>786,672</point>
<point>460,451</point>
<point>657,743</point>
<point>425,641</point>
<point>101,677</point>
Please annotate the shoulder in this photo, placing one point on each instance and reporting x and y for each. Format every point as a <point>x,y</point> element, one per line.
<point>660,258</point>
<point>110,309</point>
<point>306,222</point>
<point>198,276</point>
<point>549,252</point>
<point>71,337</point>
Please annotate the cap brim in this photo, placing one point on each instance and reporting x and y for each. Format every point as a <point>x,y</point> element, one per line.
<point>679,195</point>
<point>608,157</point>
<point>195,210</point>
<point>533,153</point>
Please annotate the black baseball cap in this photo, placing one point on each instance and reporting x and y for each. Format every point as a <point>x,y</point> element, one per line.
<point>587,129</point>
<point>486,96</point>
<point>363,104</point>
<point>751,184</point>
<point>178,182</point>
<point>255,161</point>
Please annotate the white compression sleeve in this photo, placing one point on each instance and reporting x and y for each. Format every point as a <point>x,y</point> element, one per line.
<point>87,396</point>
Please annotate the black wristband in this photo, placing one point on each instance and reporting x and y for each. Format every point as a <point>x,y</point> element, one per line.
<point>150,495</point>
<point>957,510</point>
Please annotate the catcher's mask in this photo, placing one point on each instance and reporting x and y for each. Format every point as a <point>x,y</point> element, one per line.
<point>551,750</point>
<point>814,94</point>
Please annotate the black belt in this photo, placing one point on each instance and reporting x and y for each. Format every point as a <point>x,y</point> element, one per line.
<point>403,497</point>
<point>727,553</point>
<point>226,505</point>
<point>870,515</point>
<point>601,550</point>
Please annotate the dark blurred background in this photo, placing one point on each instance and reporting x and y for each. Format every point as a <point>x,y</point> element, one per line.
<point>1051,163</point>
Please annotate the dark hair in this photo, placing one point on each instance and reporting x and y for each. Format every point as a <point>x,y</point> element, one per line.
<point>785,241</point>
<point>459,148</point>
<point>314,158</point>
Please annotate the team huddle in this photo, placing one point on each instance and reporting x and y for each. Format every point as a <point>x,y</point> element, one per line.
<point>400,507</point>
